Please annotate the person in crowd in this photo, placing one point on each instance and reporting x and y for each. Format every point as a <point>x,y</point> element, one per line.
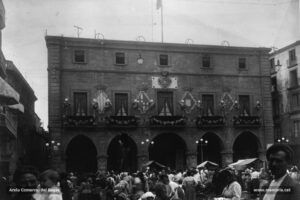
<point>65,187</point>
<point>294,173</point>
<point>25,177</point>
<point>189,186</point>
<point>254,184</point>
<point>160,191</point>
<point>232,189</point>
<point>85,189</point>
<point>49,189</point>
<point>164,178</point>
<point>282,187</point>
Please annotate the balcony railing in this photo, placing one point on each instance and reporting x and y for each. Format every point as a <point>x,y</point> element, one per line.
<point>210,121</point>
<point>121,121</point>
<point>167,121</point>
<point>246,121</point>
<point>77,121</point>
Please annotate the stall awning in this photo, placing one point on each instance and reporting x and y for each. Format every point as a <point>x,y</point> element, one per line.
<point>18,107</point>
<point>8,95</point>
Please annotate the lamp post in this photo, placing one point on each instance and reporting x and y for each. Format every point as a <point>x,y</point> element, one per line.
<point>283,140</point>
<point>202,143</point>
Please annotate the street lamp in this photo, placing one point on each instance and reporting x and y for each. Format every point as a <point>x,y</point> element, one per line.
<point>283,140</point>
<point>202,143</point>
<point>147,141</point>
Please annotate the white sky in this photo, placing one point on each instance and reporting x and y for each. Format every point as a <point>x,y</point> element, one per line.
<point>240,22</point>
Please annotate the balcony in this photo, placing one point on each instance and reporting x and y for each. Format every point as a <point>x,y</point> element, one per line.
<point>167,121</point>
<point>121,121</point>
<point>210,121</point>
<point>79,121</point>
<point>246,121</point>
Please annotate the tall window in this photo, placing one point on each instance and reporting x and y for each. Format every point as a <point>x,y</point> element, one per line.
<point>79,56</point>
<point>272,63</point>
<point>293,78</point>
<point>292,55</point>
<point>165,103</point>
<point>163,59</point>
<point>206,61</point>
<point>274,84</point>
<point>121,104</point>
<point>244,101</point>
<point>80,103</point>
<point>275,104</point>
<point>208,104</point>
<point>120,58</point>
<point>295,99</point>
<point>242,63</point>
<point>296,128</point>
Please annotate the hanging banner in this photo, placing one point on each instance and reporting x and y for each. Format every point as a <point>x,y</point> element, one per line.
<point>162,82</point>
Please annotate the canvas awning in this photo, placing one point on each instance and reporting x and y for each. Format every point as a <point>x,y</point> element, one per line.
<point>18,107</point>
<point>8,95</point>
<point>241,164</point>
<point>208,164</point>
<point>154,164</point>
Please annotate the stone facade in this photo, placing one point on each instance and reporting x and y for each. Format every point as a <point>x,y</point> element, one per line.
<point>185,77</point>
<point>286,95</point>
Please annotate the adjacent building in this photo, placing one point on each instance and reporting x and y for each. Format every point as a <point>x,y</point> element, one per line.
<point>115,105</point>
<point>8,122</point>
<point>286,95</point>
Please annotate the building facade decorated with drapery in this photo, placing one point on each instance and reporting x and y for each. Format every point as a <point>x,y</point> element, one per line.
<point>115,105</point>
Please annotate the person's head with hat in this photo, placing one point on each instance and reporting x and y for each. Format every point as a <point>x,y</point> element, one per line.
<point>279,157</point>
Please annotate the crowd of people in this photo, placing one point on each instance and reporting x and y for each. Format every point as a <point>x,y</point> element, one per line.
<point>162,184</point>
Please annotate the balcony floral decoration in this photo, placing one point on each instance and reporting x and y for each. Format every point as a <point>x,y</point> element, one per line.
<point>167,121</point>
<point>143,103</point>
<point>210,121</point>
<point>188,103</point>
<point>101,102</point>
<point>121,121</point>
<point>246,121</point>
<point>79,121</point>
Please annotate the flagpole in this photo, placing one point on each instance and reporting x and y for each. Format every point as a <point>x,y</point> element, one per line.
<point>152,18</point>
<point>162,23</point>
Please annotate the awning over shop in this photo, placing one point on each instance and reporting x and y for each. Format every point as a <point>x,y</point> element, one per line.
<point>8,96</point>
<point>242,164</point>
<point>208,165</point>
<point>18,107</point>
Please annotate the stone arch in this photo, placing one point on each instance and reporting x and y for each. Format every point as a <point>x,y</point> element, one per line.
<point>168,149</point>
<point>81,155</point>
<point>246,145</point>
<point>211,150</point>
<point>122,154</point>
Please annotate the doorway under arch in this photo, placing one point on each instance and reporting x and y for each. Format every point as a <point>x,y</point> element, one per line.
<point>246,145</point>
<point>211,150</point>
<point>168,149</point>
<point>122,154</point>
<point>81,155</point>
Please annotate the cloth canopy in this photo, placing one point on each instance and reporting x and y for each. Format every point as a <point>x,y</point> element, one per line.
<point>208,164</point>
<point>154,164</point>
<point>242,164</point>
<point>8,96</point>
<point>18,107</point>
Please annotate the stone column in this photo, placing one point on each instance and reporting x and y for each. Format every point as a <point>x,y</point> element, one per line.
<point>227,157</point>
<point>191,159</point>
<point>142,159</point>
<point>102,163</point>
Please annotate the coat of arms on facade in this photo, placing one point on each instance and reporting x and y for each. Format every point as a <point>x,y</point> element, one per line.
<point>188,102</point>
<point>227,102</point>
<point>101,102</point>
<point>164,81</point>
